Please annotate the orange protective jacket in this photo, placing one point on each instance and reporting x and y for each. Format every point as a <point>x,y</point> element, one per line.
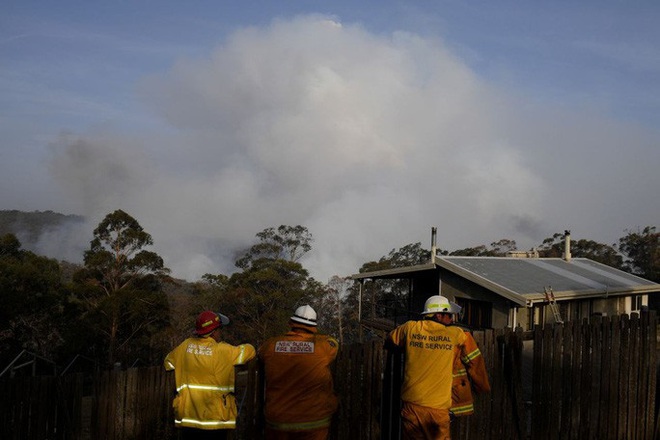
<point>204,375</point>
<point>469,373</point>
<point>299,385</point>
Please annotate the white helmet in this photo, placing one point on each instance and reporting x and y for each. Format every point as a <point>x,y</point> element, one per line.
<point>305,315</point>
<point>440,304</point>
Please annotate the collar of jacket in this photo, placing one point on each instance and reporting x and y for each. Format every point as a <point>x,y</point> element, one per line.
<point>302,328</point>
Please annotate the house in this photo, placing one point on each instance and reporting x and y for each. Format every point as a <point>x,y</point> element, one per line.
<point>518,290</point>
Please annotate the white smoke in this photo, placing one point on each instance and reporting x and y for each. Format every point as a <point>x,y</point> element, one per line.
<point>367,140</point>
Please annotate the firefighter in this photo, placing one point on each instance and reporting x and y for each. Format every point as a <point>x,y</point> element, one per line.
<point>300,398</point>
<point>430,345</point>
<point>204,406</point>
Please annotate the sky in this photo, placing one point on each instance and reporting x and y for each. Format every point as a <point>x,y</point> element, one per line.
<point>367,122</point>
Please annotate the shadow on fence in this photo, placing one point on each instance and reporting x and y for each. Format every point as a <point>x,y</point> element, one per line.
<point>581,380</point>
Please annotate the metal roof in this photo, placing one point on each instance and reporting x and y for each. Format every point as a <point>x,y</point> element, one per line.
<point>523,280</point>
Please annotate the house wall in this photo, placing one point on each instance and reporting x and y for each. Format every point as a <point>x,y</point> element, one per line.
<point>454,286</point>
<point>620,305</point>
<point>500,315</point>
<point>523,318</point>
<point>529,317</point>
<point>577,310</point>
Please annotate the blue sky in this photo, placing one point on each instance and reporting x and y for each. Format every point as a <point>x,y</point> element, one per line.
<point>368,122</point>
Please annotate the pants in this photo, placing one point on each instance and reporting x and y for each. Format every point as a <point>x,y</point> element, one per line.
<point>308,434</point>
<point>202,434</point>
<point>423,423</point>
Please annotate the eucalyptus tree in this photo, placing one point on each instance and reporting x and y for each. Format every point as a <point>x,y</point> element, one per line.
<point>121,285</point>
<point>387,298</point>
<point>642,250</point>
<point>338,312</point>
<point>496,249</point>
<point>271,284</point>
<point>31,294</point>
<point>287,243</point>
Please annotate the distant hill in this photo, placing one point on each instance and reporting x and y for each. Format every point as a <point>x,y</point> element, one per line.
<point>29,226</point>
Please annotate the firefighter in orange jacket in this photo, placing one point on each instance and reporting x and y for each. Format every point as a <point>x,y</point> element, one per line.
<point>300,398</point>
<point>431,346</point>
<point>469,374</point>
<point>204,406</point>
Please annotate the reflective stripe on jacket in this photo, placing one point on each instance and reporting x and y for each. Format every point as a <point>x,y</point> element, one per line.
<point>299,385</point>
<point>204,375</point>
<point>469,373</point>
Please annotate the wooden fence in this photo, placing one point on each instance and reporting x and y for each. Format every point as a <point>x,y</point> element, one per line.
<point>41,407</point>
<point>133,404</point>
<point>595,380</point>
<point>586,380</point>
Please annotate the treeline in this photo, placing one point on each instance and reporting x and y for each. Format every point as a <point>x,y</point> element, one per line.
<point>121,306</point>
<point>31,225</point>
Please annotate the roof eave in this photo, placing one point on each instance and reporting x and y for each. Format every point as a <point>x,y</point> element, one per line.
<point>595,293</point>
<point>392,273</point>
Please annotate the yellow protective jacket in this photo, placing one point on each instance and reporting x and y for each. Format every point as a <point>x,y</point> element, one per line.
<point>204,375</point>
<point>430,348</point>
<point>299,386</point>
<point>469,373</point>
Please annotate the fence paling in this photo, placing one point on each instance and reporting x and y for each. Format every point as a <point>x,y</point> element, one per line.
<point>514,363</point>
<point>651,339</point>
<point>596,361</point>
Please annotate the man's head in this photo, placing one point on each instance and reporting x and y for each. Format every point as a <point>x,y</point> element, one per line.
<point>209,321</point>
<point>304,315</point>
<point>441,309</point>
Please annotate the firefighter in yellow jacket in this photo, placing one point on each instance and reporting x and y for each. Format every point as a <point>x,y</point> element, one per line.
<point>431,346</point>
<point>204,406</point>
<point>300,398</point>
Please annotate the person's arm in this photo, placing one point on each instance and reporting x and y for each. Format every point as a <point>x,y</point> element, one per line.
<point>333,346</point>
<point>245,353</point>
<point>475,365</point>
<point>394,340</point>
<point>169,362</point>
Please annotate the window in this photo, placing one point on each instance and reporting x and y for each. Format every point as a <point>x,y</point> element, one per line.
<point>475,314</point>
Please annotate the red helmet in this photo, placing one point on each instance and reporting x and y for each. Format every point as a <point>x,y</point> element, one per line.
<point>208,321</point>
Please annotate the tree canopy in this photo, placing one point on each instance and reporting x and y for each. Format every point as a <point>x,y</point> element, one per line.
<point>553,247</point>
<point>288,243</point>
<point>272,283</point>
<point>31,292</point>
<point>496,249</point>
<point>642,250</point>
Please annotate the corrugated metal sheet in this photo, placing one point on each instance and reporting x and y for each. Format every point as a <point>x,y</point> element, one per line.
<point>528,277</point>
